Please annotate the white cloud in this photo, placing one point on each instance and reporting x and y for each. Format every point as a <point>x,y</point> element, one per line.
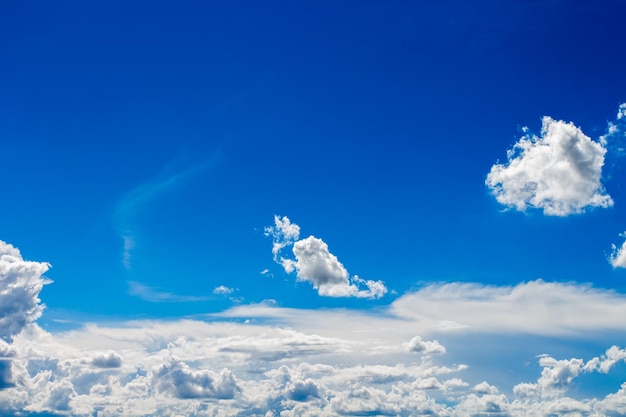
<point>618,254</point>
<point>176,378</point>
<point>297,362</point>
<point>616,129</point>
<point>283,233</point>
<point>315,264</point>
<point>222,290</point>
<point>20,284</point>
<point>535,307</point>
<point>426,347</point>
<point>559,172</point>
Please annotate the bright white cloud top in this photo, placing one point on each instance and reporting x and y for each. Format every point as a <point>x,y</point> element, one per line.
<point>315,264</point>
<point>559,172</point>
<point>20,284</point>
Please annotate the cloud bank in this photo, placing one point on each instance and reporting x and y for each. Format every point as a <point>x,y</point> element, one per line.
<point>559,172</point>
<point>315,264</point>
<point>263,359</point>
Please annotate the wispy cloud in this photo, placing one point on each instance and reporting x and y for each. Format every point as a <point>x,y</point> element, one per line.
<point>131,204</point>
<point>155,295</point>
<point>618,254</point>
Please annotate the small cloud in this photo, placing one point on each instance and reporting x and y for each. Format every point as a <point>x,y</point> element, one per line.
<point>558,172</point>
<point>315,264</point>
<point>267,273</point>
<point>616,130</point>
<point>222,290</point>
<point>485,388</point>
<point>425,347</point>
<point>154,295</point>
<point>618,255</point>
<point>177,379</point>
<point>109,359</point>
<point>129,245</point>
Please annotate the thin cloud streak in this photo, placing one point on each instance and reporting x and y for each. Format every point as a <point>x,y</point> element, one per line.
<point>136,199</point>
<point>154,295</point>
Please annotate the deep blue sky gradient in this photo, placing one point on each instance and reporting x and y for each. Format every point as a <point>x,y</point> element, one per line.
<point>370,124</point>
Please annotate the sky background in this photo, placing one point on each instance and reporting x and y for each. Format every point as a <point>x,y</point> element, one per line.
<point>149,151</point>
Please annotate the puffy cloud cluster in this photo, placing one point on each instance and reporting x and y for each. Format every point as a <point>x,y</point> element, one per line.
<point>20,284</point>
<point>220,368</point>
<point>559,172</point>
<point>315,264</point>
<point>558,375</point>
<point>296,362</point>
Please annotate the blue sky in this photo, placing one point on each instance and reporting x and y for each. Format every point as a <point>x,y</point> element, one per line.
<point>155,153</point>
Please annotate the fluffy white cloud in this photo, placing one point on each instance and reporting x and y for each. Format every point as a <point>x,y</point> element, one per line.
<point>618,254</point>
<point>425,346</point>
<point>20,284</point>
<point>283,233</point>
<point>559,172</point>
<point>315,264</point>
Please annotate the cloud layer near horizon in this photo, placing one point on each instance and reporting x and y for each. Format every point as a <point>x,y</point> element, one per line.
<point>268,360</point>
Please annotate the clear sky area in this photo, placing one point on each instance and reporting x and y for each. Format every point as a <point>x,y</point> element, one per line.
<point>239,208</point>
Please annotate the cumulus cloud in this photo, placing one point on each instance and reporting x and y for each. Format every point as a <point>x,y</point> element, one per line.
<point>108,359</point>
<point>20,284</point>
<point>314,263</point>
<point>169,368</point>
<point>178,379</point>
<point>426,347</point>
<point>557,375</point>
<point>618,254</point>
<point>559,172</point>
